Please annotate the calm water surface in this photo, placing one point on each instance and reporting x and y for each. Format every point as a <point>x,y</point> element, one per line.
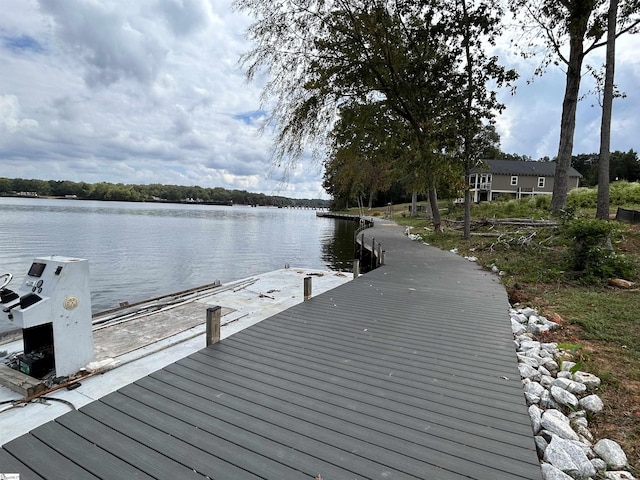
<point>141,250</point>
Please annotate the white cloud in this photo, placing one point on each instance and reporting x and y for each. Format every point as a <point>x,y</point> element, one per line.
<point>150,91</point>
<point>11,118</point>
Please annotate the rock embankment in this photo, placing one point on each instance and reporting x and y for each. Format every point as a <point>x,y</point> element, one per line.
<point>562,400</point>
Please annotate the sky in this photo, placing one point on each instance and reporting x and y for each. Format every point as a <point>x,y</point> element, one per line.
<point>151,91</point>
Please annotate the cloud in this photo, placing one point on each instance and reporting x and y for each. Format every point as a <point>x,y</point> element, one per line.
<point>11,119</point>
<point>185,16</point>
<point>150,91</point>
<point>113,43</point>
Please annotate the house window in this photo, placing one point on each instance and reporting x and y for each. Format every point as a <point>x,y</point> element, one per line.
<point>472,180</point>
<point>541,182</point>
<point>514,181</point>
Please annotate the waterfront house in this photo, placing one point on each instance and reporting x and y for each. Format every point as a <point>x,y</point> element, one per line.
<point>515,179</point>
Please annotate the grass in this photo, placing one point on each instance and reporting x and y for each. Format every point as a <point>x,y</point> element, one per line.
<point>603,320</point>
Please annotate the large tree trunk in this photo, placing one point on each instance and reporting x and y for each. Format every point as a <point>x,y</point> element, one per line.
<point>414,203</point>
<point>435,213</point>
<point>602,211</point>
<point>568,122</point>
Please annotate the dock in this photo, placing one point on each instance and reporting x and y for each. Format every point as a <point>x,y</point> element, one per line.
<point>407,372</point>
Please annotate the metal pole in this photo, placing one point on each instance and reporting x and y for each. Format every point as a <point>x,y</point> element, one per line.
<point>213,324</point>
<point>379,254</point>
<point>307,288</point>
<point>356,268</point>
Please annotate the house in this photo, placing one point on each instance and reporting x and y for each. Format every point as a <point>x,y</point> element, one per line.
<point>515,179</point>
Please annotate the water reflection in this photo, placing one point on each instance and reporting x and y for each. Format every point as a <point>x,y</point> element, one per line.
<point>338,248</point>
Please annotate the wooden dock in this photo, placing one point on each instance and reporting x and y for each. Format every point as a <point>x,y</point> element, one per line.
<point>408,372</point>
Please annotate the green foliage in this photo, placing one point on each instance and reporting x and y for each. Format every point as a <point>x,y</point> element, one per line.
<point>621,193</point>
<point>149,193</point>
<point>625,194</point>
<point>542,202</point>
<point>622,166</point>
<point>534,207</point>
<point>589,253</point>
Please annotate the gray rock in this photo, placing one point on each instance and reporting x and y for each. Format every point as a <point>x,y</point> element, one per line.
<point>551,365</point>
<point>549,472</point>
<point>588,379</point>
<point>516,327</point>
<point>546,380</point>
<point>539,328</point>
<point>535,413</point>
<point>528,344</point>
<point>570,457</point>
<point>551,325</point>
<point>544,354</point>
<point>549,347</point>
<point>541,445</point>
<point>567,366</point>
<point>619,476</point>
<point>527,312</point>
<point>518,317</point>
<point>527,371</point>
<point>531,361</point>
<point>611,453</point>
<point>592,404</point>
<point>578,420</point>
<point>599,464</point>
<point>564,374</point>
<point>533,319</point>
<point>585,434</point>
<point>557,423</point>
<point>563,397</point>
<point>570,386</point>
<point>533,391</point>
<point>547,401</point>
<point>544,372</point>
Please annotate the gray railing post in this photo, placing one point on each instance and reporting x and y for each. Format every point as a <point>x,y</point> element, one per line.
<point>379,254</point>
<point>356,268</point>
<point>373,253</point>
<point>307,288</point>
<point>213,324</point>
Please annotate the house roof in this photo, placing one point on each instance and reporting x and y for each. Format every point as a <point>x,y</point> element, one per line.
<point>518,167</point>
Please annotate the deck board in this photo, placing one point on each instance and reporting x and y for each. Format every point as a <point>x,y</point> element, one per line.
<point>408,372</point>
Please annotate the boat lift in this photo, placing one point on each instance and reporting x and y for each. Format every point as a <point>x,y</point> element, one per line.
<point>53,309</point>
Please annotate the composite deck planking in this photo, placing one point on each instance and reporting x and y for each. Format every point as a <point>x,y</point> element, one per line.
<point>406,372</point>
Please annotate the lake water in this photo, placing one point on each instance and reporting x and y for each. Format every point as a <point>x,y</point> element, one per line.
<point>141,250</point>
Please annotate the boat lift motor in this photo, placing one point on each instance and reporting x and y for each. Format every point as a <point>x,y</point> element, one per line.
<point>53,309</point>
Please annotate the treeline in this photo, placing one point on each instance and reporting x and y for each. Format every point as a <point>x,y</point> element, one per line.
<point>622,166</point>
<point>147,193</point>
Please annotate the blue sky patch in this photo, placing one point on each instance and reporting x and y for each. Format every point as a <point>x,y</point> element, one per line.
<point>250,117</point>
<point>22,43</point>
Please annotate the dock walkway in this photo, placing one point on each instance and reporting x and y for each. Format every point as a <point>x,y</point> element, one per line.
<point>408,372</point>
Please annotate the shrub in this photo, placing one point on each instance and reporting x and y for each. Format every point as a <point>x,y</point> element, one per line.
<point>582,198</point>
<point>590,253</point>
<point>542,202</point>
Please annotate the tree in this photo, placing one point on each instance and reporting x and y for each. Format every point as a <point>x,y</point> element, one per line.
<point>405,55</point>
<point>602,209</point>
<point>580,24</point>
<point>364,146</point>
